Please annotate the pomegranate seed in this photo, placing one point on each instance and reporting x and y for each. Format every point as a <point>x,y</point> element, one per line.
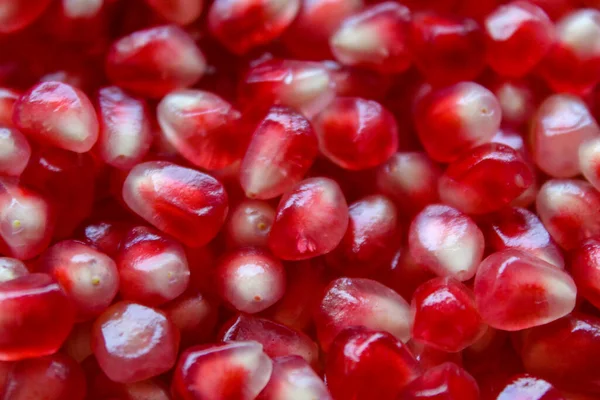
<point>104,235</point>
<point>457,118</point>
<point>249,224</point>
<point>519,34</point>
<point>237,370</point>
<point>375,38</point>
<point>11,268</point>
<point>153,268</point>
<point>194,315</point>
<point>79,343</point>
<point>280,153</point>
<point>14,152</point>
<point>447,381</point>
<point>293,378</point>
<point>17,14</point>
<point>517,99</point>
<point>181,12</point>
<point>515,291</point>
<point>250,280</point>
<point>512,139</point>
<point>356,133</point>
<point>8,98</point>
<point>187,204</point>
<point>361,302</point>
<point>311,220</point>
<point>53,377</point>
<point>357,82</point>
<point>447,49</point>
<point>568,209</point>
<point>561,124</point>
<point>585,270</point>
<point>485,179</point>
<point>58,115</point>
<point>446,241</point>
<point>445,315</point>
<point>88,277</point>
<point>554,8</point>
<point>132,342</point>
<point>518,228</point>
<point>154,61</point>
<point>573,61</point>
<point>366,364</point>
<point>202,127</point>
<point>589,152</point>
<point>29,328</point>
<point>526,387</point>
<point>429,357</point>
<point>302,85</point>
<point>277,340</point>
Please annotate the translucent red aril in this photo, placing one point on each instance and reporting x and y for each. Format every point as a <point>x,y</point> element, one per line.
<point>519,34</point>
<point>202,127</point>
<point>589,160</point>
<point>125,129</point>
<point>277,340</point>
<point>429,357</point>
<point>302,85</point>
<point>237,370</point>
<point>17,14</point>
<point>242,25</point>
<point>515,291</point>
<point>370,239</point>
<point>569,209</point>
<point>250,279</point>
<point>311,220</point>
<point>194,314</point>
<point>132,342</point>
<point>356,133</point>
<point>573,63</point>
<point>188,205</point>
<point>53,377</point>
<point>79,343</point>
<point>528,387</point>
<point>58,115</point>
<point>560,125</point>
<point>11,268</point>
<point>154,61</point>
<point>104,235</point>
<point>29,329</point>
<point>293,378</point>
<point>447,381</point>
<point>153,267</point>
<point>485,179</point>
<point>457,118</point>
<point>361,302</point>
<point>249,224</point>
<point>445,315</point>
<point>357,82</point>
<point>375,38</point>
<point>88,277</point>
<point>519,228</point>
<point>446,241</point>
<point>363,364</point>
<point>8,98</point>
<point>585,270</point>
<point>446,48</point>
<point>14,152</point>
<point>517,100</point>
<point>181,12</point>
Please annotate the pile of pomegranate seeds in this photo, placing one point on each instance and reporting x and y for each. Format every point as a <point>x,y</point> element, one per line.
<point>299,200</point>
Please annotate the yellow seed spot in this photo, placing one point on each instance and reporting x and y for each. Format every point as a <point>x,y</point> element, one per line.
<point>95,281</point>
<point>170,274</point>
<point>519,181</point>
<point>261,226</point>
<point>16,224</point>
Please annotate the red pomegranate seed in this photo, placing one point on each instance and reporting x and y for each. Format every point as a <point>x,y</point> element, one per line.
<point>58,115</point>
<point>249,224</point>
<point>457,118</point>
<point>184,203</point>
<point>573,63</point>
<point>237,370</point>
<point>132,342</point>
<point>250,280</point>
<point>589,159</point>
<point>375,38</point>
<point>485,179</point>
<point>311,220</point>
<point>8,98</point>
<point>515,291</point>
<point>554,8</point>
<point>519,34</point>
<point>242,25</point>
<point>361,302</point>
<point>370,238</point>
<point>446,241</point>
<point>519,228</point>
<point>356,82</point>
<point>53,377</point>
<point>445,315</point>
<point>447,48</point>
<point>17,14</point>
<point>11,268</point>
<point>363,364</point>
<point>528,387</point>
<point>429,357</point>
<point>447,381</point>
<point>14,152</point>
<point>29,328</point>
<point>560,125</point>
<point>585,270</point>
<point>88,277</point>
<point>154,61</point>
<point>194,315</point>
<point>79,343</point>
<point>512,139</point>
<point>153,268</point>
<point>302,85</point>
<point>277,340</point>
<point>293,378</point>
<point>181,12</point>
<point>569,210</point>
<point>517,98</point>
<point>356,133</point>
<point>202,127</point>
<point>105,235</point>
